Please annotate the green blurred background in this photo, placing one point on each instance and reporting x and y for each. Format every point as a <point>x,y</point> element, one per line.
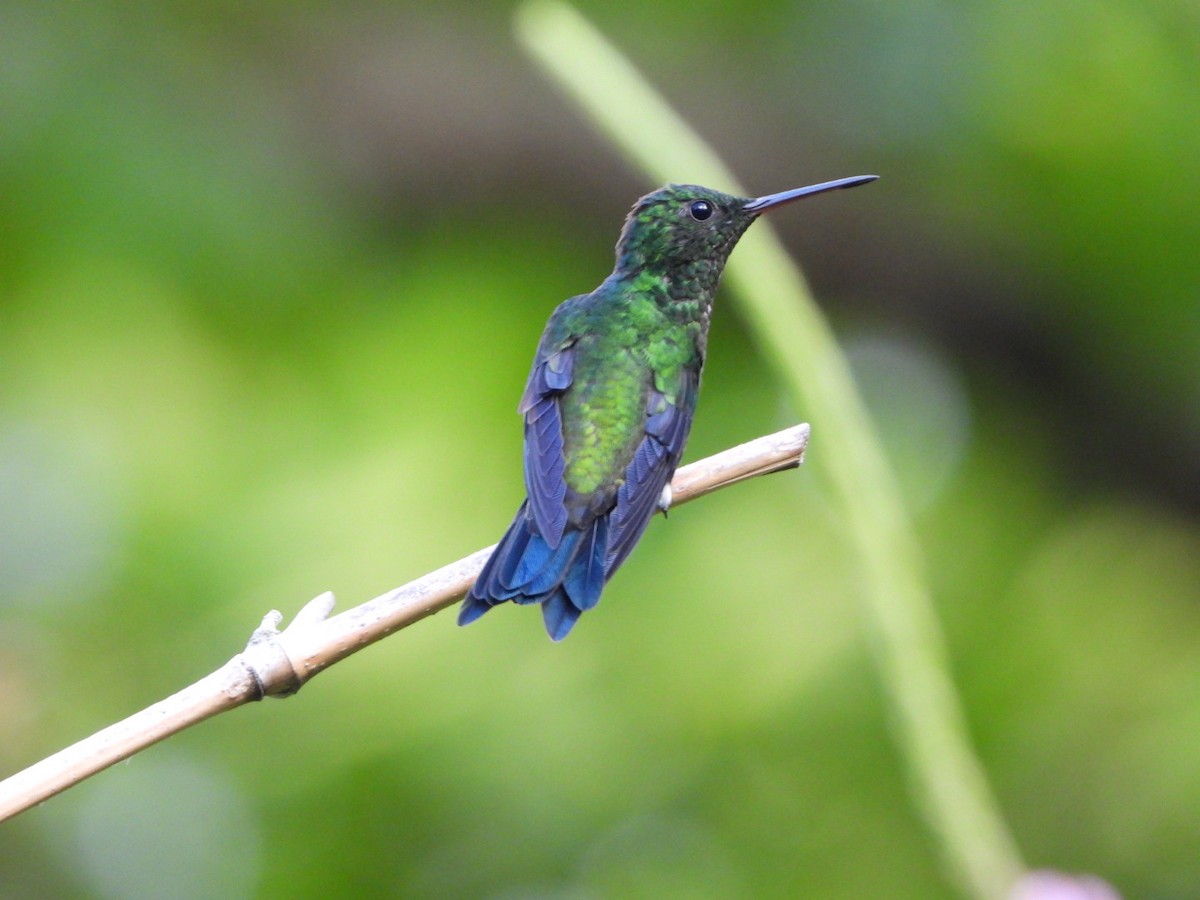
<point>270,280</point>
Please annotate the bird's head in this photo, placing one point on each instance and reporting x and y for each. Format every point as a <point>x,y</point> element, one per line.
<point>682,224</point>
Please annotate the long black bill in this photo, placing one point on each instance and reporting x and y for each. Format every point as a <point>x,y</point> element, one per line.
<point>760,204</point>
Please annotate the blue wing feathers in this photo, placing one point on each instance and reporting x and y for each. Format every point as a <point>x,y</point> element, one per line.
<point>544,469</point>
<point>652,466</point>
<point>559,370</point>
<point>544,458</point>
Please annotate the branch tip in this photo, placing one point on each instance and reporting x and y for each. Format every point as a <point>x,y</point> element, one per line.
<point>267,629</point>
<point>315,610</point>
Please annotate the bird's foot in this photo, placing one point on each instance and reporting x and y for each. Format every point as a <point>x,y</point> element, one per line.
<point>664,499</point>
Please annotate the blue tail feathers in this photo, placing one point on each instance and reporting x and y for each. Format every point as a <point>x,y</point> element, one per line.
<point>559,614</point>
<point>566,580</point>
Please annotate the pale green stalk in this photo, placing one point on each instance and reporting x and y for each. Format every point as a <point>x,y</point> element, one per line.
<point>946,777</point>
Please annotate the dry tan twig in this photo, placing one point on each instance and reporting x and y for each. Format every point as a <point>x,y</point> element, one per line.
<point>277,663</point>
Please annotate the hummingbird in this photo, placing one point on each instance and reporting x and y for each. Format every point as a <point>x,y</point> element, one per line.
<point>610,400</point>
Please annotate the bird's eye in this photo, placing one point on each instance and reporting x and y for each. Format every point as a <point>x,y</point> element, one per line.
<point>700,210</point>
